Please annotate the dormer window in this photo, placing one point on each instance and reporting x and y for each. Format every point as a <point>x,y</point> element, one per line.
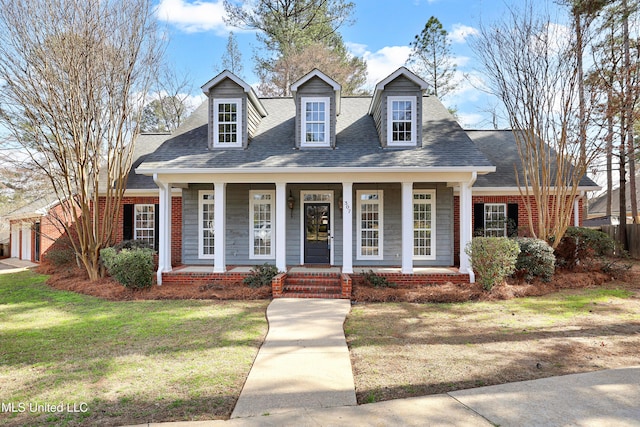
<point>401,120</point>
<point>315,122</point>
<point>227,122</point>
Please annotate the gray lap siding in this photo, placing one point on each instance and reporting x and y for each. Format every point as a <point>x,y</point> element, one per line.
<point>237,224</point>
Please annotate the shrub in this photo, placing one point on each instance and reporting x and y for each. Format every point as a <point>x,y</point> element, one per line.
<point>133,268</point>
<point>372,279</point>
<point>132,244</point>
<point>261,275</point>
<point>536,259</point>
<point>581,244</point>
<point>61,253</point>
<point>493,258</point>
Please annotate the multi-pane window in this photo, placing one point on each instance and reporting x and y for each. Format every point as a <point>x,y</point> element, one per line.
<point>206,220</point>
<point>227,122</point>
<point>424,224</point>
<point>144,224</point>
<point>401,120</point>
<point>495,220</point>
<point>370,210</point>
<point>315,121</point>
<point>261,213</point>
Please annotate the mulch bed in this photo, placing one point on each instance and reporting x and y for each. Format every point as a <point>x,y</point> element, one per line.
<point>74,279</point>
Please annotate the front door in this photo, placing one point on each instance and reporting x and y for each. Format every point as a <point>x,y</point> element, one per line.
<point>317,241</point>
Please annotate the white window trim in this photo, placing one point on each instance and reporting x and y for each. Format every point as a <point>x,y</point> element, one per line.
<point>414,128</point>
<point>327,122</point>
<point>506,218</point>
<point>380,201</point>
<point>239,115</point>
<point>252,203</point>
<point>201,254</point>
<point>135,222</point>
<point>432,202</point>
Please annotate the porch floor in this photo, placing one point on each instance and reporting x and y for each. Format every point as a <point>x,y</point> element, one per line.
<point>312,270</point>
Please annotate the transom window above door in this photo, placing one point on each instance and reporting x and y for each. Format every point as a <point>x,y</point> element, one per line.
<point>315,122</point>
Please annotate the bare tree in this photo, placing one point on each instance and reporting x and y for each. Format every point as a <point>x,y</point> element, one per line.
<point>171,106</point>
<point>73,71</point>
<point>530,67</point>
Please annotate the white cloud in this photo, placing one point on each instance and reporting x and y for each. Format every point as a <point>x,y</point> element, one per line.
<point>460,33</point>
<point>382,62</point>
<point>194,17</point>
<point>470,120</point>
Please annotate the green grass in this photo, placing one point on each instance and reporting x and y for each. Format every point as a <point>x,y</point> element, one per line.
<point>130,362</point>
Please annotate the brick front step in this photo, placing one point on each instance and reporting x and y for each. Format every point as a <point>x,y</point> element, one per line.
<point>313,288</point>
<point>313,281</point>
<point>309,295</point>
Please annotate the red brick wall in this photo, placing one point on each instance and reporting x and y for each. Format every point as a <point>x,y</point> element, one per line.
<point>176,223</point>
<point>405,281</point>
<point>523,220</point>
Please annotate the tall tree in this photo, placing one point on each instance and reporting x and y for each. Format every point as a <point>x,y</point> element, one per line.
<point>530,68</point>
<point>286,28</point>
<point>232,57</point>
<point>72,70</point>
<point>170,105</point>
<point>431,58</point>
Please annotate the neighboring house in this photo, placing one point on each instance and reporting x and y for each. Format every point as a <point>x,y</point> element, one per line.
<point>389,180</point>
<point>597,211</point>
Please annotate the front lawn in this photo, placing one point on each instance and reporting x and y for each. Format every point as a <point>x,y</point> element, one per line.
<point>404,349</point>
<point>115,363</point>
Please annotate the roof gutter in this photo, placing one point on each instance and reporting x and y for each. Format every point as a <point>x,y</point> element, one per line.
<point>332,170</point>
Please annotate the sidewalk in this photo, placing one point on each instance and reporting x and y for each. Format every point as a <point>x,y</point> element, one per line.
<point>302,377</point>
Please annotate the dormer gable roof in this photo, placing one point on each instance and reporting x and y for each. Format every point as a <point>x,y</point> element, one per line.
<point>402,71</point>
<point>319,74</point>
<point>226,74</point>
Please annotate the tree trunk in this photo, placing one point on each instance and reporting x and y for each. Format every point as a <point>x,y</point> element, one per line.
<point>628,111</point>
<point>622,228</point>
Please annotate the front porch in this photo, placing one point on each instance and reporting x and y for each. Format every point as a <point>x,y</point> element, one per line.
<point>316,282</point>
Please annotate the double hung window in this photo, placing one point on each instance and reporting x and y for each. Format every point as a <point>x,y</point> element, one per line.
<point>227,122</point>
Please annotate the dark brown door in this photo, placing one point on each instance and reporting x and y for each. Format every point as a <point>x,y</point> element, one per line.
<point>317,241</point>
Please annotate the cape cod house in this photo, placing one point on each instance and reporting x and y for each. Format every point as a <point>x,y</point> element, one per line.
<point>388,182</point>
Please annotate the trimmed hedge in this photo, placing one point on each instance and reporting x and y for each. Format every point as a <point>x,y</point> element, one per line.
<point>133,268</point>
<point>493,258</point>
<point>536,259</point>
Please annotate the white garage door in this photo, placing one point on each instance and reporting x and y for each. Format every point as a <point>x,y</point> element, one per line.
<point>26,241</point>
<point>15,240</point>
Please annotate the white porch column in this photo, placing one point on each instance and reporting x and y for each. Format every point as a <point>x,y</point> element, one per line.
<point>164,231</point>
<point>220,208</point>
<point>466,216</point>
<point>347,227</point>
<point>281,226</point>
<point>407,227</point>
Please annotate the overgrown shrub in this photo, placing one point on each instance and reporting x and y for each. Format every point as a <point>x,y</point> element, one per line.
<point>261,275</point>
<point>133,268</point>
<point>493,258</point>
<point>61,253</point>
<point>580,244</point>
<point>536,259</point>
<point>372,279</point>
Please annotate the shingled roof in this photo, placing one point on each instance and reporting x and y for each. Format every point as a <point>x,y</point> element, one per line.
<point>499,146</point>
<point>445,144</point>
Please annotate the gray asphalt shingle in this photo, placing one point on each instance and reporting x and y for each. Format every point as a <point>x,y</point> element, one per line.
<point>445,143</point>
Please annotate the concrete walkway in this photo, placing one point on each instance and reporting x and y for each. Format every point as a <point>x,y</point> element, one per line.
<point>304,361</point>
<point>13,265</point>
<point>595,399</point>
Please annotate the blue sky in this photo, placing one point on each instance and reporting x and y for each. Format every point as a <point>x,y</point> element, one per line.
<point>381,34</point>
